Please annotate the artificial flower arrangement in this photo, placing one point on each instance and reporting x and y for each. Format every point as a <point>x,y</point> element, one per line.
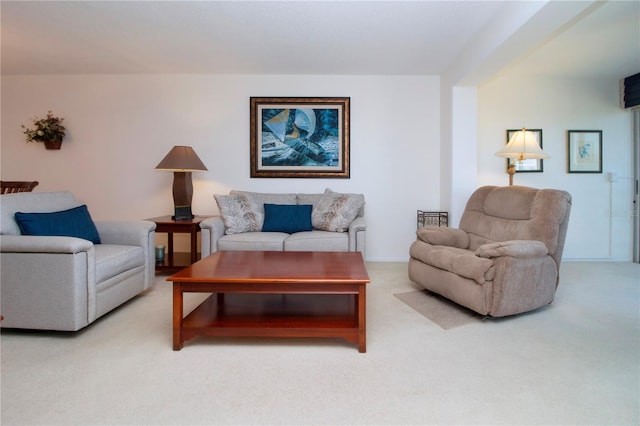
<point>49,129</point>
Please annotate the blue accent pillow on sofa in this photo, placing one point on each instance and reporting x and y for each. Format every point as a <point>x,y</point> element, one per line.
<point>75,222</point>
<point>287,218</point>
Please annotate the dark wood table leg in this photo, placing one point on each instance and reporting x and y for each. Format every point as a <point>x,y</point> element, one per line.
<point>362,318</point>
<point>177,317</point>
<point>194,245</point>
<point>169,252</point>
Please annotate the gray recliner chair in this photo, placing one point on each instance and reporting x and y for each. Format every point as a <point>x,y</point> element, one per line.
<point>65,283</point>
<point>505,256</point>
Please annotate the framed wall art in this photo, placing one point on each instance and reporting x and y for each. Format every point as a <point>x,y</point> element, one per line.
<point>584,151</point>
<point>529,165</point>
<point>299,137</point>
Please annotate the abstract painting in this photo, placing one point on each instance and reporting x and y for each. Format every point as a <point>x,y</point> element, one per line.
<point>299,137</point>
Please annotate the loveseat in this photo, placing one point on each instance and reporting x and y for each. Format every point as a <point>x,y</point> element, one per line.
<point>327,221</point>
<point>53,282</point>
<point>505,256</point>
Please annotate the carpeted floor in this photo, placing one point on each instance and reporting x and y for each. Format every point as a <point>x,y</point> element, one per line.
<point>573,362</point>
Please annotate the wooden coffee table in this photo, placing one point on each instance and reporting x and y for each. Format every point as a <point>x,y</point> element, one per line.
<point>273,294</point>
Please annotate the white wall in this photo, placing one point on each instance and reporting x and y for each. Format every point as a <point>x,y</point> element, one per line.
<point>121,126</point>
<point>464,149</point>
<point>601,225</point>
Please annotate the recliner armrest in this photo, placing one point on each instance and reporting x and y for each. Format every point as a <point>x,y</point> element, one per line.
<point>513,248</point>
<point>451,237</point>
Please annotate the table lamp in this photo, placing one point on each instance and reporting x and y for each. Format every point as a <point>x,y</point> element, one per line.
<point>521,146</point>
<point>182,160</point>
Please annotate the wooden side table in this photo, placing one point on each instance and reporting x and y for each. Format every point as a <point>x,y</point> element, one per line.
<point>174,262</point>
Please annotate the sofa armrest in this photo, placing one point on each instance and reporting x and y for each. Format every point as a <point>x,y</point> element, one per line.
<point>212,229</point>
<point>358,224</point>
<point>141,233</point>
<point>47,282</point>
<point>132,232</point>
<point>43,244</point>
<point>357,235</point>
<point>451,237</point>
<point>513,248</point>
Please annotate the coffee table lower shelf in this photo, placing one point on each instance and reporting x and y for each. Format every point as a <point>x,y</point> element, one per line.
<point>274,315</point>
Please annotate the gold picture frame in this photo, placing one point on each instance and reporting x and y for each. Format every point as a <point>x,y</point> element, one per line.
<point>299,137</point>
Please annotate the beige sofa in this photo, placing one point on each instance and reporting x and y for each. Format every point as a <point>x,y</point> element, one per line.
<point>338,223</point>
<point>504,258</point>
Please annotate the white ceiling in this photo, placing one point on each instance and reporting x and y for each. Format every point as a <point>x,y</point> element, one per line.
<point>291,37</point>
<point>605,42</point>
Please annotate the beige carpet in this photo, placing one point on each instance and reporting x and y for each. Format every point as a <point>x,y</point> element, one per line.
<point>439,310</point>
<point>121,370</point>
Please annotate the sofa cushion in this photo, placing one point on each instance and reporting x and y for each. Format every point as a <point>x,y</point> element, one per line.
<point>75,222</point>
<point>240,213</point>
<point>312,199</point>
<point>264,241</point>
<point>287,218</point>
<point>335,211</point>
<point>35,202</point>
<point>317,241</point>
<point>113,259</point>
<point>494,214</point>
<point>263,198</point>
<point>505,203</point>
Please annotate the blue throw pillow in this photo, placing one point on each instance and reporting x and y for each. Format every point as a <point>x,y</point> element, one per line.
<point>75,222</point>
<point>287,218</point>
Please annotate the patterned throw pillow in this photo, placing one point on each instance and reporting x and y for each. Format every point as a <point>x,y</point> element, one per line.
<point>335,212</point>
<point>240,213</point>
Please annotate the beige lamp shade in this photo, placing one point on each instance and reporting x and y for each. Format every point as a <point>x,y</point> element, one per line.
<point>522,145</point>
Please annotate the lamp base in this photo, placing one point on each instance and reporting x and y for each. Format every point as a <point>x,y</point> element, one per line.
<point>183,213</point>
<point>511,171</point>
<point>182,195</point>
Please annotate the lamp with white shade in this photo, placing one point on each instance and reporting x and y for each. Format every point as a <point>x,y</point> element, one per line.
<point>522,146</point>
<point>182,160</point>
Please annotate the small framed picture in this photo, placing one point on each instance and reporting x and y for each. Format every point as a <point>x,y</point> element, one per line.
<point>584,151</point>
<point>529,165</point>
